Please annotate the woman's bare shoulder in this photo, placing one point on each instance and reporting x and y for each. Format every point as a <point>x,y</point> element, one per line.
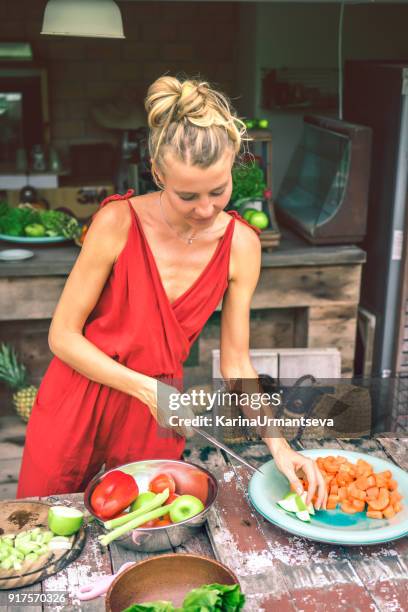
<point>245,252</point>
<point>244,240</point>
<point>113,215</point>
<point>109,229</point>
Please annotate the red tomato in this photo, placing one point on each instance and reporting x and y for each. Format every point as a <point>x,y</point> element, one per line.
<point>115,492</point>
<point>162,522</point>
<point>161,482</point>
<point>171,499</point>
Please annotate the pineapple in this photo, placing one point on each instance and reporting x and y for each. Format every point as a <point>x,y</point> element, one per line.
<point>14,374</point>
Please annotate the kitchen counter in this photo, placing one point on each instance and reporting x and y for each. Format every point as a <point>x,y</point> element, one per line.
<point>292,251</point>
<point>317,286</point>
<point>276,570</point>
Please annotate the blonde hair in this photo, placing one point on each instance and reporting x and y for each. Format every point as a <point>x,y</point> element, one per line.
<point>194,121</point>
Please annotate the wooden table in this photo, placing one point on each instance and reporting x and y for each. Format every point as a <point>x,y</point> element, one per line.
<point>277,571</point>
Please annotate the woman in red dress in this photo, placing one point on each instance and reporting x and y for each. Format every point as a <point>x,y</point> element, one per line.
<point>151,271</point>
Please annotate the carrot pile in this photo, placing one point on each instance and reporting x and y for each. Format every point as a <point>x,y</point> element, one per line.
<point>355,485</point>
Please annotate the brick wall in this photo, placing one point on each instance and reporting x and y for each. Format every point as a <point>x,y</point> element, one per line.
<point>194,38</point>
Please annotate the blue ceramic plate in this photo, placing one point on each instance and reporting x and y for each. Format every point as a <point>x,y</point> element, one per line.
<point>331,526</point>
<point>29,240</point>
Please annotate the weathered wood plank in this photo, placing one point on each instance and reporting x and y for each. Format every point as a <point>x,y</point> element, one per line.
<point>312,286</point>
<point>381,568</point>
<point>8,491</point>
<point>237,542</point>
<point>29,298</point>
<point>199,544</point>
<point>396,449</point>
<point>334,326</point>
<point>9,450</point>
<point>11,427</point>
<point>9,471</point>
<point>88,567</point>
<point>308,567</point>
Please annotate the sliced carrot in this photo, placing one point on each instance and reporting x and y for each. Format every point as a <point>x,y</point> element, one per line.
<point>371,480</point>
<point>373,492</point>
<point>345,478</point>
<point>362,483</point>
<point>331,503</point>
<point>356,493</point>
<point>330,467</point>
<point>381,502</point>
<point>382,478</point>
<point>389,512</point>
<point>334,489</point>
<point>342,493</point>
<point>397,507</point>
<point>395,497</point>
<point>375,514</point>
<point>392,484</point>
<point>347,507</point>
<point>340,459</point>
<point>360,505</point>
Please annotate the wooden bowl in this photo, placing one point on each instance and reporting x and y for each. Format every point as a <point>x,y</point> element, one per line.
<point>169,577</point>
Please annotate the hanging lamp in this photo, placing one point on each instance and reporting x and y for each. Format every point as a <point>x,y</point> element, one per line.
<point>93,18</point>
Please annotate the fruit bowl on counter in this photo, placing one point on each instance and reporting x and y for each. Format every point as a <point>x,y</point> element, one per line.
<point>26,224</point>
<point>151,505</point>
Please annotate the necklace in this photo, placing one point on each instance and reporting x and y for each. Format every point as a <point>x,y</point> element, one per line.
<point>191,237</point>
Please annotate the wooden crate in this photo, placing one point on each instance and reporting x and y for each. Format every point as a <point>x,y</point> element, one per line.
<point>270,238</point>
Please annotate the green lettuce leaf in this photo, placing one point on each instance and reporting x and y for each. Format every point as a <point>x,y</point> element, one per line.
<point>154,606</point>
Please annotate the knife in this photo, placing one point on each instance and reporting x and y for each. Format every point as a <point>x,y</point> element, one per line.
<point>228,450</point>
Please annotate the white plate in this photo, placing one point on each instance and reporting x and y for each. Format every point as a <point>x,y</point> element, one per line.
<point>15,254</point>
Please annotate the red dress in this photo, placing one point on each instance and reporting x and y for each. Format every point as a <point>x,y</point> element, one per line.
<point>76,424</point>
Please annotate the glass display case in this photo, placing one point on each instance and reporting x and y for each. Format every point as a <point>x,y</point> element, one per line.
<point>324,193</point>
<point>24,115</point>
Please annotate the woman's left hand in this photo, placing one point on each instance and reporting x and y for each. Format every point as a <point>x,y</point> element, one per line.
<point>289,462</point>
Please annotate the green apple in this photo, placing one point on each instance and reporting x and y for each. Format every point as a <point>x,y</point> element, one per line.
<point>64,521</point>
<point>185,507</point>
<point>250,124</point>
<point>259,219</point>
<point>248,212</point>
<point>142,500</point>
<point>263,123</point>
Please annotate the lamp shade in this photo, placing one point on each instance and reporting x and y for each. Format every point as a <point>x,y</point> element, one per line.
<point>93,18</point>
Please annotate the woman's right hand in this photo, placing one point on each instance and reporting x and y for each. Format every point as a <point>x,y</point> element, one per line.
<point>166,408</point>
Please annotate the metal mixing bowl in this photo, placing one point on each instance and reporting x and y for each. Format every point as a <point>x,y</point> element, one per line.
<point>190,479</point>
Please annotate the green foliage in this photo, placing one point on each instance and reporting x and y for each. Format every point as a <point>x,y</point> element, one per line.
<point>207,598</point>
<point>247,182</point>
<point>14,220</point>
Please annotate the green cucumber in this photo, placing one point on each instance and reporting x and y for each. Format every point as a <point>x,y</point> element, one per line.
<point>59,543</point>
<point>6,564</point>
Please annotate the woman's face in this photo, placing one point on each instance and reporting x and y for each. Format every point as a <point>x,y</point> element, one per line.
<point>198,195</point>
